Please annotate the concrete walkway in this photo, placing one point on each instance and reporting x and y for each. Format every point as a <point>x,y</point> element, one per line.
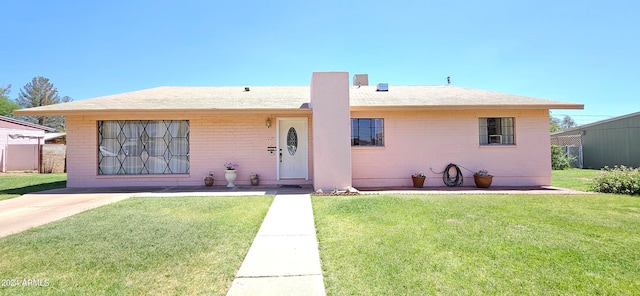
<point>284,258</point>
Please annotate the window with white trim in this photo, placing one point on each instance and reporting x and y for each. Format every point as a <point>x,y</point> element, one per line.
<point>496,130</point>
<point>143,147</point>
<point>367,132</point>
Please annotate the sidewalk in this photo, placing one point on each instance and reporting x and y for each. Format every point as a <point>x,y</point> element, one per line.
<point>284,258</point>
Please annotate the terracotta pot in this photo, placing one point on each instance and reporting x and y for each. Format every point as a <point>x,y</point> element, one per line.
<point>482,181</point>
<point>208,181</point>
<point>418,182</point>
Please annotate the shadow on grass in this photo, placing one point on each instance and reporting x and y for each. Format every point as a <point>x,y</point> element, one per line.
<point>35,188</point>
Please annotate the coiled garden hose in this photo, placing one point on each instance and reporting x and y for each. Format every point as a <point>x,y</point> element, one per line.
<point>455,180</point>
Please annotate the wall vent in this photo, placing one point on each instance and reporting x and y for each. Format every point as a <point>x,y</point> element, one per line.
<point>383,87</point>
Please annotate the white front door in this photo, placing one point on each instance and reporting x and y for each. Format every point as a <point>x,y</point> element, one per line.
<point>293,148</point>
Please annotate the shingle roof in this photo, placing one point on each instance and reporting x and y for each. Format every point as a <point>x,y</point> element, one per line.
<point>447,97</point>
<point>294,98</point>
<point>26,124</point>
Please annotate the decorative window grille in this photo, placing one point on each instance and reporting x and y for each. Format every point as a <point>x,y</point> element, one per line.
<point>143,147</point>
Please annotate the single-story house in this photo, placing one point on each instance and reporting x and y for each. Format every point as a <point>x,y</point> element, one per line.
<point>19,142</point>
<point>608,142</point>
<point>330,134</point>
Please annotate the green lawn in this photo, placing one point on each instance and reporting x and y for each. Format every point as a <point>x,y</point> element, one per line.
<point>479,244</point>
<point>16,184</point>
<point>151,246</point>
<point>578,179</point>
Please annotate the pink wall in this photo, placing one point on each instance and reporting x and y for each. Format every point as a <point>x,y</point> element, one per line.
<point>214,140</point>
<point>16,159</point>
<point>22,157</point>
<point>425,140</point>
<point>332,134</point>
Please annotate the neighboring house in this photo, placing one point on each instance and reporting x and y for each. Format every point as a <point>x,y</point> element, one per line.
<point>609,142</point>
<point>329,134</point>
<point>19,142</point>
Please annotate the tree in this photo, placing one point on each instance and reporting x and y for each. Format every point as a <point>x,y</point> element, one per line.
<point>554,124</point>
<point>7,105</point>
<point>567,122</point>
<point>41,92</point>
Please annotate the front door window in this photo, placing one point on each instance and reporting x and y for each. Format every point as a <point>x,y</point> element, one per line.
<point>292,141</point>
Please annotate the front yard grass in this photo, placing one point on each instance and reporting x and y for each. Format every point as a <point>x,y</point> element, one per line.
<point>151,246</point>
<point>16,184</point>
<point>479,244</point>
<point>577,179</point>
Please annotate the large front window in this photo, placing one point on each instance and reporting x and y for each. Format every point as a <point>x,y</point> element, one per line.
<point>367,132</point>
<point>143,147</point>
<point>496,130</point>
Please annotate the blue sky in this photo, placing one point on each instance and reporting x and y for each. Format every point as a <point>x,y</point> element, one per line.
<point>578,51</point>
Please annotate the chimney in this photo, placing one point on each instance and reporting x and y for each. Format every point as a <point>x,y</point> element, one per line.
<point>360,79</point>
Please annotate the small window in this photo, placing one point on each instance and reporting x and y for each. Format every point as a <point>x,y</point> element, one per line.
<point>496,130</point>
<point>367,132</point>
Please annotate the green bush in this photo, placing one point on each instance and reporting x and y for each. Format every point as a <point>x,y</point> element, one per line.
<point>621,180</point>
<point>559,160</point>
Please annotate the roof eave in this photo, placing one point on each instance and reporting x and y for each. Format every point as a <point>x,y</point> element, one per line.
<point>470,107</point>
<point>28,112</point>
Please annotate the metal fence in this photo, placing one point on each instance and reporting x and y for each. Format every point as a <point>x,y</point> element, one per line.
<point>576,152</point>
<point>572,147</point>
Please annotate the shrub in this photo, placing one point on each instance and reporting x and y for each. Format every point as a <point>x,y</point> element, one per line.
<point>559,160</point>
<point>621,180</point>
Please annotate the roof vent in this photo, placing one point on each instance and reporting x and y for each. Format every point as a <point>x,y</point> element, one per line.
<point>246,88</point>
<point>360,79</point>
<point>383,87</point>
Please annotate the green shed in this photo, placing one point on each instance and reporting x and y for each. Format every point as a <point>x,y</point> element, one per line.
<point>609,142</point>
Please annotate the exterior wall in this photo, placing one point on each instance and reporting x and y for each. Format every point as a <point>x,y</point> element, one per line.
<point>16,159</point>
<point>430,140</point>
<point>612,143</point>
<point>214,139</point>
<point>22,157</point>
<point>332,133</point>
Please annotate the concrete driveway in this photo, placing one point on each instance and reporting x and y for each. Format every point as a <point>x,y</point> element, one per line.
<point>31,210</point>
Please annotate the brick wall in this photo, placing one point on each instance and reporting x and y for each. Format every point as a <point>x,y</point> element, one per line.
<point>430,140</point>
<point>214,140</point>
<point>53,158</point>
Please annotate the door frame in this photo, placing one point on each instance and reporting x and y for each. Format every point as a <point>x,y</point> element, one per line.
<point>304,120</point>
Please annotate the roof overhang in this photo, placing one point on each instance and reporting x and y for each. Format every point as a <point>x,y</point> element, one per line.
<point>468,107</point>
<point>35,112</point>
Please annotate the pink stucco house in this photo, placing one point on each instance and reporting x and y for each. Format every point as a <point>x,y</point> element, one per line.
<point>331,134</point>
